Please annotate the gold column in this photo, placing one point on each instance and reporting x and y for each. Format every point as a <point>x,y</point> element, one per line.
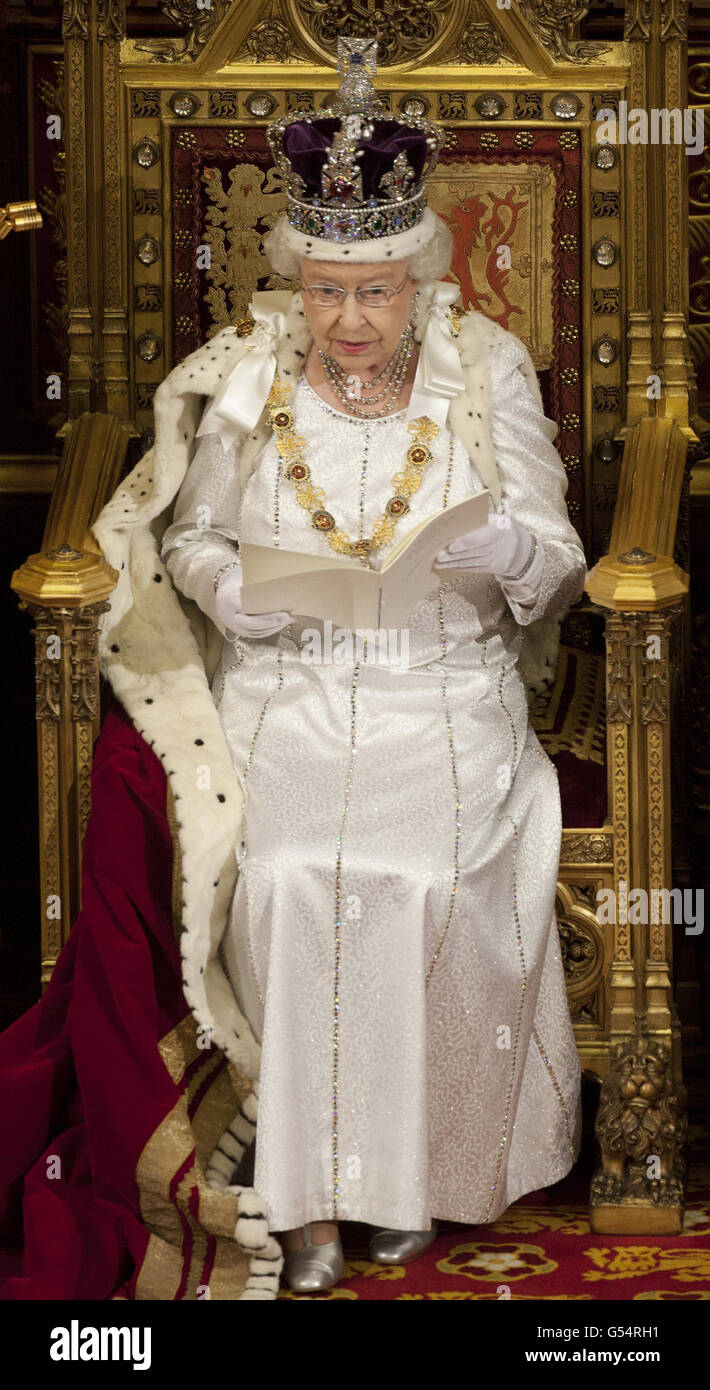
<point>642,590</point>
<point>673,188</point>
<point>111,179</point>
<point>637,34</point>
<point>66,588</point>
<point>96,291</point>
<point>67,714</point>
<point>77,134</point>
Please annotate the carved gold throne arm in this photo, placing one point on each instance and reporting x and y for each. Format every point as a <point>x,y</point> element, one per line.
<point>642,591</point>
<point>65,588</point>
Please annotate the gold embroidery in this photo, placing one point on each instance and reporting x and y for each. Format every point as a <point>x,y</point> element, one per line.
<point>210,1216</point>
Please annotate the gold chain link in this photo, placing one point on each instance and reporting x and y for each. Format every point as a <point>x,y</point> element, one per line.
<point>292,449</point>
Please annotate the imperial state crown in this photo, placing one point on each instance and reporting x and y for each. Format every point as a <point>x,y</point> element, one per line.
<point>356,171</point>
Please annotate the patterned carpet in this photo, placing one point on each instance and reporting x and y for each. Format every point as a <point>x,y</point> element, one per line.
<point>542,1248</point>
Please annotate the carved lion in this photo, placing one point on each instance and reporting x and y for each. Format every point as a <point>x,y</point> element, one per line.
<point>641,1116</point>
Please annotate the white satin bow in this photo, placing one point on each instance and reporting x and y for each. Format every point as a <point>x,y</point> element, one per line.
<point>238,405</point>
<point>439,377</point>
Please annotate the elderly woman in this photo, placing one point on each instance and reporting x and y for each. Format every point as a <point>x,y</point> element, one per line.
<point>391,938</point>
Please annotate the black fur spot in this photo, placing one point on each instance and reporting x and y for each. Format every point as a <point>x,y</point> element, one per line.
<point>221,796</point>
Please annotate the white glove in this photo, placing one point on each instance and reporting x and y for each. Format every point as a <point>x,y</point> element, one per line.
<point>229,609</point>
<point>500,547</point>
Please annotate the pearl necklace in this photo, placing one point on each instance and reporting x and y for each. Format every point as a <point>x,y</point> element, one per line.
<point>340,371</point>
<point>397,367</point>
<point>291,450</point>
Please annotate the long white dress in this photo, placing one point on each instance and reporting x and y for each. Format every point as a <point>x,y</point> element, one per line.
<point>392,938</point>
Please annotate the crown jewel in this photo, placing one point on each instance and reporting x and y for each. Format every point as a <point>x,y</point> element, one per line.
<point>357,171</point>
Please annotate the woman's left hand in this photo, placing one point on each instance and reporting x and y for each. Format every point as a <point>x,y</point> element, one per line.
<point>500,547</point>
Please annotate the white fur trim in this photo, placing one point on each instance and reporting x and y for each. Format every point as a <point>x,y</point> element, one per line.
<point>265,1269</point>
<point>382,248</point>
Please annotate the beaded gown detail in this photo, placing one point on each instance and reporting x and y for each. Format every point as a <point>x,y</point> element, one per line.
<point>392,936</point>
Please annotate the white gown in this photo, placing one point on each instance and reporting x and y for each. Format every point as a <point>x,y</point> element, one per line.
<point>392,938</point>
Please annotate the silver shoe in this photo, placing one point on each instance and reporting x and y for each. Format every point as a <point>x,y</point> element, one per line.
<point>315,1266</point>
<point>398,1247</point>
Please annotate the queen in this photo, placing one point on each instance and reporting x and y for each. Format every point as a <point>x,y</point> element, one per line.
<point>389,945</point>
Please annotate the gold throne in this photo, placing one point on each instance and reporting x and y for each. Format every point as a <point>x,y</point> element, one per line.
<point>557,240</point>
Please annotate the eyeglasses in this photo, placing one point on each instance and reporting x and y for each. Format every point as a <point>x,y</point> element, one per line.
<point>374,296</point>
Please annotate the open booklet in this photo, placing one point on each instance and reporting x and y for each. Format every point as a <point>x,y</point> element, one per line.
<point>342,590</point>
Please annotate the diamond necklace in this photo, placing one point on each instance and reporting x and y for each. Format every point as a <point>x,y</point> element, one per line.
<point>338,370</point>
<point>390,396</point>
<point>375,381</point>
<point>397,366</point>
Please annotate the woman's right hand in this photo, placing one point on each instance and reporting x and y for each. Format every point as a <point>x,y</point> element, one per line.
<point>229,609</point>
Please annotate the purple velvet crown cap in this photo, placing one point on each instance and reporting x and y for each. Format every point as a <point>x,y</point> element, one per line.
<point>307,144</point>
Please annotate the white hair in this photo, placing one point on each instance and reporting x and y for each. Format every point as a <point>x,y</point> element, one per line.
<point>432,262</point>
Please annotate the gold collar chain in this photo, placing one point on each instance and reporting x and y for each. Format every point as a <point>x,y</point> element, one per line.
<point>291,449</point>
